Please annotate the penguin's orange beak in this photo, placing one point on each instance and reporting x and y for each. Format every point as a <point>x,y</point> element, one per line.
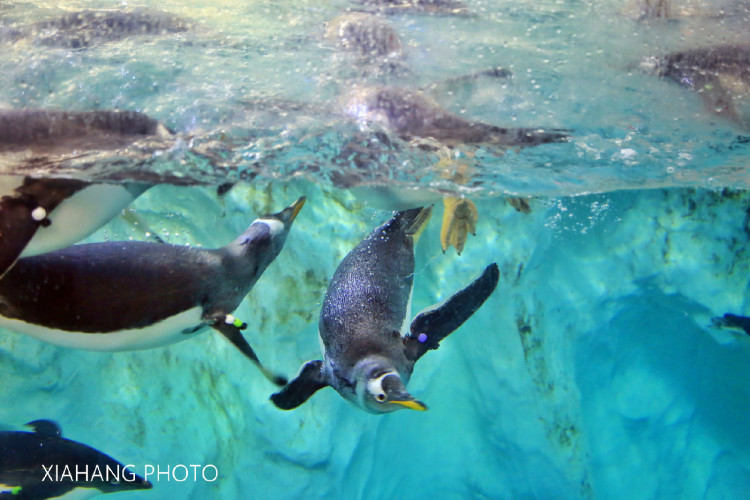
<point>412,404</point>
<point>288,215</point>
<point>296,207</point>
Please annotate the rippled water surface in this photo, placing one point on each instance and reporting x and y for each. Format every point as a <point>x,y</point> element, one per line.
<point>252,88</point>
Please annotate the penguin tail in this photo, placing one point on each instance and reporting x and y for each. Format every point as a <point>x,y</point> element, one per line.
<point>413,221</point>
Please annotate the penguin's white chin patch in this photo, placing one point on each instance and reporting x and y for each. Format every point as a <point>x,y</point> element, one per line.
<point>375,386</point>
<point>275,226</point>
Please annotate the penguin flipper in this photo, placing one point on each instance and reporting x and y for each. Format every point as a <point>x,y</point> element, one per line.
<point>230,327</point>
<point>432,325</point>
<point>309,380</point>
<point>734,321</point>
<point>137,223</point>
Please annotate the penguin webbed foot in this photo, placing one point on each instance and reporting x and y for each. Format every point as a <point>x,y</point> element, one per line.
<point>459,219</point>
<point>435,323</point>
<point>309,380</point>
<point>230,327</point>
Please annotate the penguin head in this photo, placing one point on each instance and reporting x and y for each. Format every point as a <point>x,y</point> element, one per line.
<point>380,389</point>
<point>265,237</point>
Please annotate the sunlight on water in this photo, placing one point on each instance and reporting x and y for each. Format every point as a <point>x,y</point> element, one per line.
<point>256,87</point>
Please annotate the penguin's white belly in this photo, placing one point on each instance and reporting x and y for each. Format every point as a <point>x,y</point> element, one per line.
<point>78,216</point>
<point>168,331</point>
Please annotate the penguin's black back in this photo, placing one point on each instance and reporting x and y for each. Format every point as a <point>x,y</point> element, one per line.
<point>25,455</point>
<point>730,58</point>
<point>103,287</point>
<point>25,451</point>
<point>368,297</point>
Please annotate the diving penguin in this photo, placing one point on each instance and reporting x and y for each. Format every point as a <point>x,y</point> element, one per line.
<point>367,357</point>
<point>120,296</point>
<point>41,214</point>
<point>33,466</point>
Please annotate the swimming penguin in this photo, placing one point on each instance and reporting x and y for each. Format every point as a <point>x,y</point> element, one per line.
<point>443,7</point>
<point>368,357</point>
<point>87,28</point>
<point>411,114</point>
<point>720,74</point>
<point>364,34</point>
<point>120,296</point>
<point>43,464</point>
<point>39,215</point>
<point>647,10</point>
<point>733,321</point>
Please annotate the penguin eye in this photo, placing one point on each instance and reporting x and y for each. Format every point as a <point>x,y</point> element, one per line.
<point>380,397</point>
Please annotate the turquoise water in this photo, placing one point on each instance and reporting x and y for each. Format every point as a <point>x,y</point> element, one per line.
<point>593,371</point>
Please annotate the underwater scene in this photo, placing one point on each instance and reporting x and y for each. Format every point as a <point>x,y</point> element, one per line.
<point>375,249</point>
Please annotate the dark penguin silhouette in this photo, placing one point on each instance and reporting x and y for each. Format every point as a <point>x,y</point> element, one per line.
<point>440,7</point>
<point>42,464</point>
<point>43,214</point>
<point>411,114</point>
<point>363,34</point>
<point>118,296</point>
<point>720,74</point>
<point>368,355</point>
<point>87,28</point>
<point>733,321</point>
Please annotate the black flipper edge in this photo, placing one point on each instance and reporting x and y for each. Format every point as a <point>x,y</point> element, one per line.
<point>432,325</point>
<point>230,327</point>
<point>308,381</point>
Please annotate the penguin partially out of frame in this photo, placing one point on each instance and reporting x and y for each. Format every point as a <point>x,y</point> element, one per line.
<point>41,214</point>
<point>122,296</point>
<point>42,464</point>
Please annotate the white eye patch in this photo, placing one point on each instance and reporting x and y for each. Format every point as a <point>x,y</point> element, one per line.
<point>275,226</point>
<point>375,386</point>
